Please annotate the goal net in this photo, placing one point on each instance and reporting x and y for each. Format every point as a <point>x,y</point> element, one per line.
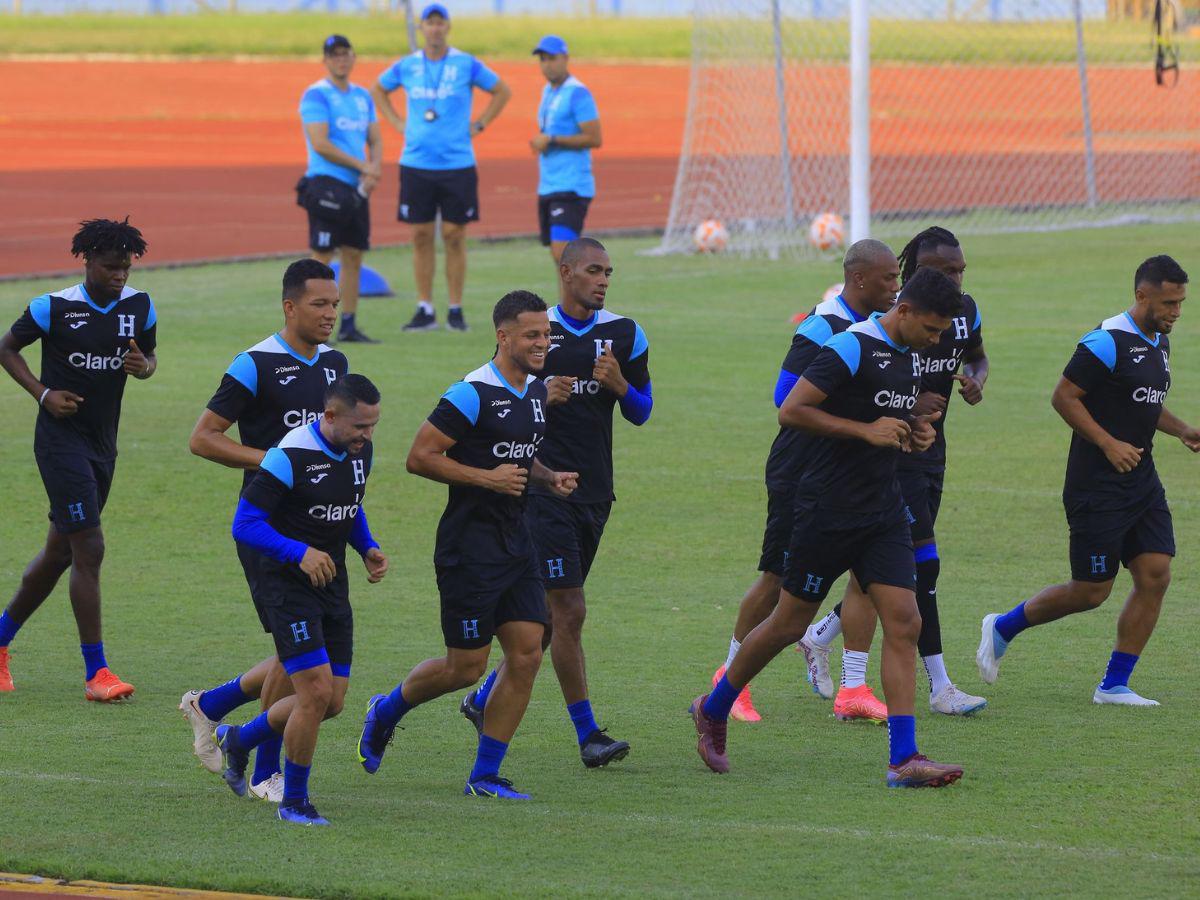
<point>984,115</point>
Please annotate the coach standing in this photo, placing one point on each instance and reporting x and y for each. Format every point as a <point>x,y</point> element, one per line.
<point>437,168</point>
<point>339,118</point>
<point>568,129</point>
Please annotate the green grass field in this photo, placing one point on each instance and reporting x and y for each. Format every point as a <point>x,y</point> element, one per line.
<point>1061,798</point>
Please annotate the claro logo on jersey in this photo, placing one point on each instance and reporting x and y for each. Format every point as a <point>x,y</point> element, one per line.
<point>1149,395</point>
<point>294,418</point>
<point>95,363</point>
<point>933,366</point>
<point>515,449</point>
<point>893,400</point>
<point>329,512</point>
<point>586,386</point>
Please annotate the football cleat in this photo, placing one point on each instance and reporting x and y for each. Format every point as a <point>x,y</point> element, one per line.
<point>301,812</point>
<point>991,648</point>
<point>269,789</point>
<point>471,712</point>
<point>599,750</point>
<point>953,702</point>
<point>918,771</point>
<point>711,735</point>
<point>817,658</point>
<point>859,704</point>
<point>375,738</point>
<point>494,787</point>
<point>6,682</point>
<point>354,336</point>
<point>203,746</point>
<point>105,687</point>
<point>1121,695</point>
<point>236,758</point>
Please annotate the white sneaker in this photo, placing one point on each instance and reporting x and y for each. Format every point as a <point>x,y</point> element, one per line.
<point>953,702</point>
<point>991,648</point>
<point>204,746</point>
<point>270,789</point>
<point>817,658</point>
<point>1121,696</point>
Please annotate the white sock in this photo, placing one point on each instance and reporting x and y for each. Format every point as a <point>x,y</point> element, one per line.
<point>935,666</point>
<point>826,631</point>
<point>457,305</point>
<point>425,306</point>
<point>854,668</point>
<point>734,646</point>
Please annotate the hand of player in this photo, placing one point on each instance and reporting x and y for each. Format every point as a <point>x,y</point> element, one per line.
<point>559,389</point>
<point>971,390</point>
<point>62,404</point>
<point>1123,457</point>
<point>563,483</point>
<point>539,143</point>
<point>887,432</point>
<point>367,183</point>
<point>136,363</point>
<point>1191,439</point>
<point>607,371</point>
<point>318,566</point>
<point>507,479</point>
<point>377,565</point>
<point>923,433</point>
<point>477,127</point>
<point>929,402</point>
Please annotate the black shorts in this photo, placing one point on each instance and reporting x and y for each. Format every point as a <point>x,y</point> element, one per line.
<point>922,492</point>
<point>349,226</point>
<point>777,537</point>
<point>567,536</point>
<point>77,486</point>
<point>567,209</point>
<point>252,562</point>
<point>307,621</point>
<point>479,598</point>
<point>1099,537</point>
<point>425,192</point>
<point>826,545</point>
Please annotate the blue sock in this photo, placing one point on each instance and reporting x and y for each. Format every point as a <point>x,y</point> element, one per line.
<point>221,701</point>
<point>582,719</point>
<point>485,690</point>
<point>1120,667</point>
<point>347,321</point>
<point>266,758</point>
<point>8,629</point>
<point>391,709</point>
<point>295,781</point>
<point>93,658</point>
<point>255,731</point>
<point>1012,623</point>
<point>902,738</point>
<point>720,701</point>
<point>488,759</point>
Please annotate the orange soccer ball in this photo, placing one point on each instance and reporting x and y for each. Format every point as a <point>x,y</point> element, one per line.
<point>827,231</point>
<point>710,236</point>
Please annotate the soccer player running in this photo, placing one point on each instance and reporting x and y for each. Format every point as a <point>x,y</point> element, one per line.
<point>482,440</point>
<point>922,474</point>
<point>1113,394</point>
<point>437,168</point>
<point>300,511</point>
<point>850,514</point>
<point>568,131</point>
<point>598,360</point>
<point>275,386</point>
<point>339,117</point>
<point>94,336</point>
<point>871,280</point>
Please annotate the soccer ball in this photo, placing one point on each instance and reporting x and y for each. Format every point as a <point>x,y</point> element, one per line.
<point>827,231</point>
<point>710,236</point>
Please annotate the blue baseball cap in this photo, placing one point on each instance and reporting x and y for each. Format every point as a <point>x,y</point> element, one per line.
<point>552,44</point>
<point>435,9</point>
<point>336,42</point>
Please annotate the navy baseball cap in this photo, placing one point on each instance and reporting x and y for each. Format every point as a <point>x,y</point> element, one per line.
<point>336,42</point>
<point>435,9</point>
<point>552,44</point>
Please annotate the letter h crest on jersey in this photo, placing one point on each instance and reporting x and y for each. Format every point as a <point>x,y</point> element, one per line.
<point>360,471</point>
<point>126,324</point>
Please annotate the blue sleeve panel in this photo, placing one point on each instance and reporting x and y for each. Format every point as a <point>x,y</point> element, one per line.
<point>314,107</point>
<point>392,77</point>
<point>39,308</point>
<point>978,320</point>
<point>583,105</point>
<point>784,386</point>
<point>816,329</point>
<point>465,399</point>
<point>152,316</point>
<point>360,534</point>
<point>847,347</point>
<point>637,404</point>
<point>250,527</point>
<point>244,372</point>
<point>277,463</point>
<point>640,344</point>
<point>482,76</point>
<point>1103,347</point>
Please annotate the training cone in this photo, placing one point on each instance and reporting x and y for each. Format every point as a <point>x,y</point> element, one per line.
<point>370,283</point>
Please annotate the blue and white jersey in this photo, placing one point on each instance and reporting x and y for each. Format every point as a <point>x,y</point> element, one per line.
<point>349,114</point>
<point>562,110</point>
<point>442,90</point>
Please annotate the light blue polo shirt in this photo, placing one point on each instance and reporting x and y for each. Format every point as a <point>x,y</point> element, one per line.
<point>563,169</point>
<point>349,114</point>
<point>445,86</point>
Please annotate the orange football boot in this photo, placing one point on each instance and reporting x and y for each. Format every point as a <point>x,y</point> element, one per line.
<point>859,704</point>
<point>743,707</point>
<point>6,682</point>
<point>105,687</point>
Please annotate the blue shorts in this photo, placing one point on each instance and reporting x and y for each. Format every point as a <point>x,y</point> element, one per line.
<point>564,210</point>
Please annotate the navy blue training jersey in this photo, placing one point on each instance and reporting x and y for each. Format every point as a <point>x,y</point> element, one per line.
<point>939,364</point>
<point>785,461</point>
<point>311,491</point>
<point>1126,375</point>
<point>271,389</point>
<point>579,438</point>
<point>865,376</point>
<point>491,425</point>
<point>83,350</point>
